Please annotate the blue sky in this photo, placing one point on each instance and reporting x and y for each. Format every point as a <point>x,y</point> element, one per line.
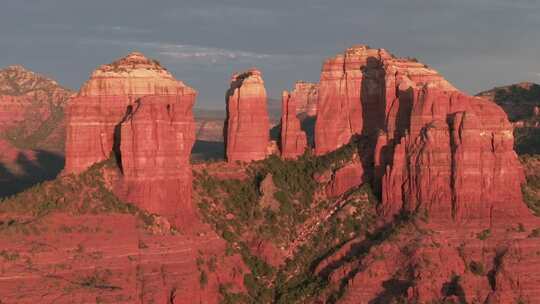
<point>476,44</point>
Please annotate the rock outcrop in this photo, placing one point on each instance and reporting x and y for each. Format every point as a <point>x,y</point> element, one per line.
<point>32,129</point>
<point>31,109</point>
<point>344,97</point>
<point>293,139</point>
<point>136,110</point>
<point>306,95</point>
<point>155,146</point>
<point>517,100</point>
<point>346,178</point>
<point>456,159</point>
<point>443,156</point>
<point>431,141</point>
<point>247,134</point>
<point>95,114</point>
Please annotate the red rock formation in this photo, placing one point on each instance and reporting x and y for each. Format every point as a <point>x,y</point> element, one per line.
<point>31,109</point>
<point>112,259</point>
<point>102,103</point>
<point>457,162</point>
<point>248,125</point>
<point>293,139</point>
<point>136,109</point>
<point>351,86</point>
<point>306,95</point>
<point>425,150</point>
<point>446,157</point>
<point>156,142</point>
<point>346,178</point>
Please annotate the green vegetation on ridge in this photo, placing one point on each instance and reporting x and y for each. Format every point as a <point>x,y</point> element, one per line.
<point>75,194</point>
<point>233,208</point>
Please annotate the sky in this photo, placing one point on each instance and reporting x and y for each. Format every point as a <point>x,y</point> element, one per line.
<point>475,44</point>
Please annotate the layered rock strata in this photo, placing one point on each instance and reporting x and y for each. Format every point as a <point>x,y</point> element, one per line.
<point>443,156</point>
<point>247,130</point>
<point>32,109</point>
<point>156,142</point>
<point>135,110</point>
<point>293,139</point>
<point>95,114</point>
<point>431,142</point>
<point>306,95</point>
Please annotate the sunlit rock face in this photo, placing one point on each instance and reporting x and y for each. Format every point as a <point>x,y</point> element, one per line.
<point>447,159</point>
<point>102,103</point>
<point>431,141</point>
<point>156,142</point>
<point>247,134</point>
<point>135,110</point>
<point>306,95</point>
<point>293,139</point>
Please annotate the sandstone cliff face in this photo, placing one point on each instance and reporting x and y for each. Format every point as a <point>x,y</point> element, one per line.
<point>431,141</point>
<point>135,109</point>
<point>102,104</point>
<point>156,141</point>
<point>293,139</point>
<point>456,160</point>
<point>247,124</point>
<point>444,156</point>
<point>306,95</point>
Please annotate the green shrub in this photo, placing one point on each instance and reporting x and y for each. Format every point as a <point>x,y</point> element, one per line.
<point>203,279</point>
<point>484,235</point>
<point>535,233</point>
<point>476,268</point>
<point>76,194</point>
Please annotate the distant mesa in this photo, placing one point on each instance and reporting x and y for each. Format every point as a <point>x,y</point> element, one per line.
<point>518,100</point>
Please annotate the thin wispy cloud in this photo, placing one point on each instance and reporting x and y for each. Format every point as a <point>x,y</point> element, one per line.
<point>213,55</point>
<point>119,29</point>
<point>189,53</point>
<point>204,42</point>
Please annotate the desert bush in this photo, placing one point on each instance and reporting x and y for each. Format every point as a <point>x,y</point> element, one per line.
<point>476,268</point>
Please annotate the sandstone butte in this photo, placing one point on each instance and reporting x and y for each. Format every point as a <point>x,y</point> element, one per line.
<point>293,139</point>
<point>443,155</point>
<point>429,139</point>
<point>247,126</point>
<point>135,109</point>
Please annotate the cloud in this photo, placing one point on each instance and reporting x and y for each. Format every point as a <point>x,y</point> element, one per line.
<point>208,54</point>
<point>223,13</point>
<point>119,29</point>
<point>188,53</point>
